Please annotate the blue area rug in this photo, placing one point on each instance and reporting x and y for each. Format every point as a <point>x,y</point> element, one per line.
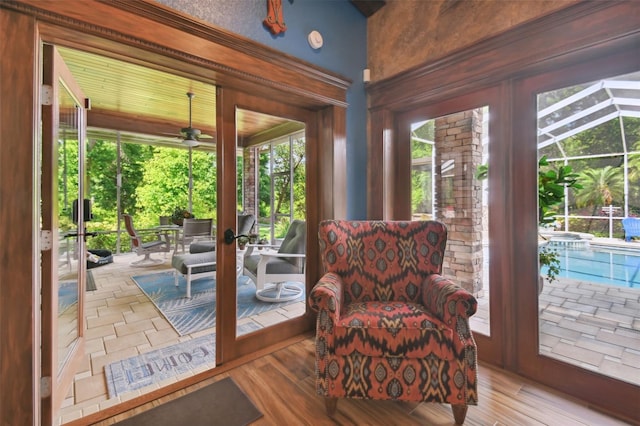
<point>198,313</point>
<point>67,295</point>
<point>153,367</point>
<point>68,292</point>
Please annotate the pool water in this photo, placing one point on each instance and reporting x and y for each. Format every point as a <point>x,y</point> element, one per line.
<point>599,265</point>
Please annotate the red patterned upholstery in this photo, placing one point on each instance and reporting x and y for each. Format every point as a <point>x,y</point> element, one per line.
<point>389,326</point>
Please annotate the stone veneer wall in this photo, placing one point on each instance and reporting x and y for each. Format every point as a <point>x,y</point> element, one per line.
<point>458,197</point>
<point>407,33</point>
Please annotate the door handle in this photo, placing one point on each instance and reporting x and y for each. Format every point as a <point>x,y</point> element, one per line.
<point>230,236</point>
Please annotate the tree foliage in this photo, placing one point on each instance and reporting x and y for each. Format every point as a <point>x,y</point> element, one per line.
<point>421,175</point>
<point>279,163</point>
<point>551,188</point>
<point>165,185</point>
<point>601,187</point>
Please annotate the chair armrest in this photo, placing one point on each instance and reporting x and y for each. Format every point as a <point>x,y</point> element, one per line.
<point>159,233</point>
<point>263,245</point>
<point>197,265</point>
<point>251,247</point>
<point>276,254</point>
<point>447,300</point>
<point>326,296</point>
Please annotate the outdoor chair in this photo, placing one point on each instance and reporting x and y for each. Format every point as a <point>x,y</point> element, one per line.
<point>159,245</point>
<point>631,226</point>
<point>195,230</point>
<point>389,326</point>
<point>245,224</point>
<point>275,272</point>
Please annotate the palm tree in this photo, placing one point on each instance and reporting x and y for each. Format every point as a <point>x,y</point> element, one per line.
<point>600,187</point>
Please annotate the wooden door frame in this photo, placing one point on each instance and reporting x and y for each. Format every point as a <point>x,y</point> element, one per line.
<point>149,33</point>
<point>20,266</point>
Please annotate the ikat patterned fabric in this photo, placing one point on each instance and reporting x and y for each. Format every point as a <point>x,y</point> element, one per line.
<point>389,326</point>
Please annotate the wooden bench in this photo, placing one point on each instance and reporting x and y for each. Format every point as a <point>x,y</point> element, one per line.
<point>631,227</point>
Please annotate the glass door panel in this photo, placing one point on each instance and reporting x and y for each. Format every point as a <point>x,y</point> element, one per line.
<point>271,151</point>
<point>63,213</point>
<point>589,291</point>
<point>70,254</point>
<point>449,164</point>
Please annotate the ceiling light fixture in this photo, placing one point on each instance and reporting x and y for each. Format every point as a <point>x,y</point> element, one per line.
<point>191,133</point>
<point>190,141</point>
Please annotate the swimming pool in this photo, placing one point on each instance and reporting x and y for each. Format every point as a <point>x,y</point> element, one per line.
<point>600,265</point>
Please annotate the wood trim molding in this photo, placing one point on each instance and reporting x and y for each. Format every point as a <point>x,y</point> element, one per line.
<point>562,36</point>
<point>188,41</point>
<point>176,19</point>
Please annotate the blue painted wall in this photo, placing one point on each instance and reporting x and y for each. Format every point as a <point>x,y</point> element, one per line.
<point>344,30</point>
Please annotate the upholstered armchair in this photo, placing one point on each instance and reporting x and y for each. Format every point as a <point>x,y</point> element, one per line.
<point>389,326</point>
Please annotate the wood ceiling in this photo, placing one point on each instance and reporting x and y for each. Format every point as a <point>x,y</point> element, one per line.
<point>145,105</point>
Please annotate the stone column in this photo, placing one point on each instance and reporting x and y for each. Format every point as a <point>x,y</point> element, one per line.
<point>458,141</point>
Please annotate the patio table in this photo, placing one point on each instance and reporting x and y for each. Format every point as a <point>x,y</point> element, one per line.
<point>176,233</point>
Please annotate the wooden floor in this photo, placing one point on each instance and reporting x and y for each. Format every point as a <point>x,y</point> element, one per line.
<point>281,384</point>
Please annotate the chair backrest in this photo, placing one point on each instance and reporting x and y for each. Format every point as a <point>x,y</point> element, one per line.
<point>382,260</point>
<point>295,242</point>
<point>245,223</point>
<point>197,228</point>
<point>631,224</point>
<point>131,230</point>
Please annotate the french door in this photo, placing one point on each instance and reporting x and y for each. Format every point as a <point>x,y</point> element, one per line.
<point>439,152</point>
<point>241,170</point>
<point>63,258</point>
<point>577,332</point>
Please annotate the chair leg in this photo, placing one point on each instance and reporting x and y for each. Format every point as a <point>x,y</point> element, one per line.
<point>331,404</point>
<point>459,412</point>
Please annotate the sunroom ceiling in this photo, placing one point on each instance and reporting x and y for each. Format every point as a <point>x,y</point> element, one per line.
<point>568,112</point>
<point>145,105</point>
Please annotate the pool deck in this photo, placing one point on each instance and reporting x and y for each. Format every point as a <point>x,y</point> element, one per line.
<point>595,326</point>
<point>592,325</point>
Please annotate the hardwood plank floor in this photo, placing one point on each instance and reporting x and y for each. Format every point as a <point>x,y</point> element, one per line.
<point>281,384</point>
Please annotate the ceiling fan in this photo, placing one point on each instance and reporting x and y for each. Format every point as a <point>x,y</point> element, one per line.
<point>192,135</point>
